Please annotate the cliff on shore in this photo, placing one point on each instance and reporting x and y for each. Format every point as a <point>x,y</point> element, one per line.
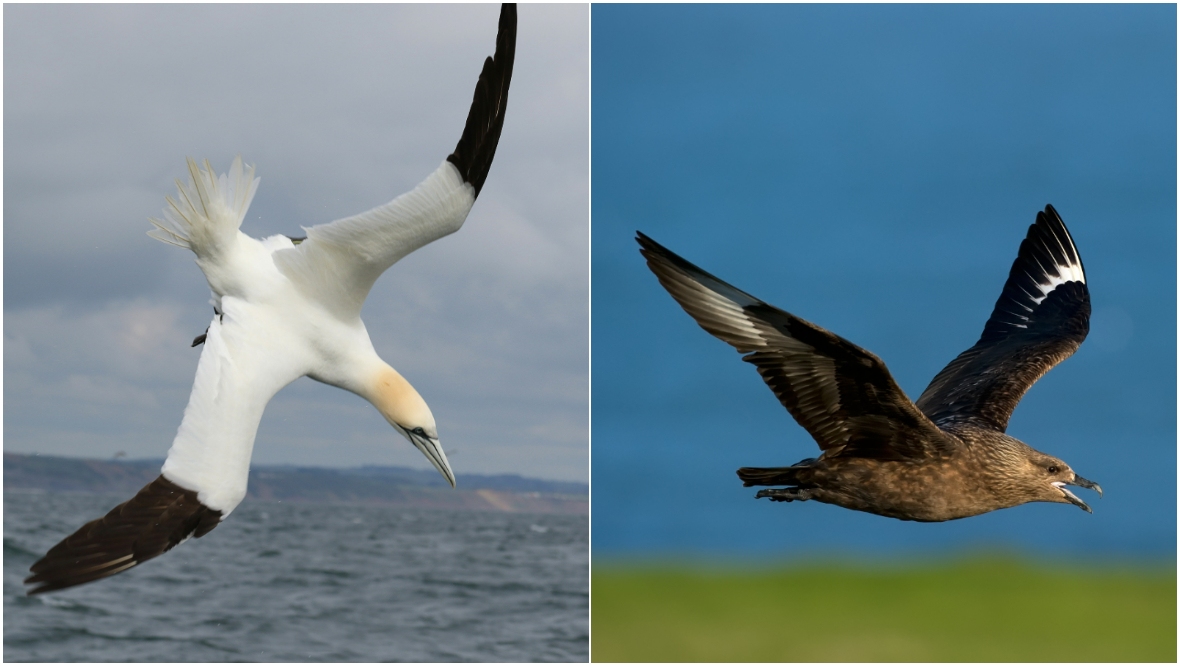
<point>398,486</point>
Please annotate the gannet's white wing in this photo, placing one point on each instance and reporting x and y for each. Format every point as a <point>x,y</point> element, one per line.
<point>246,361</point>
<point>339,262</point>
<point>204,476</point>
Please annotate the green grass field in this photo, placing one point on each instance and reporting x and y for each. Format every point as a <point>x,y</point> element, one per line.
<point>997,609</point>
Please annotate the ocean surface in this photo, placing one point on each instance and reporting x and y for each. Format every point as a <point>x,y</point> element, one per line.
<point>310,582</point>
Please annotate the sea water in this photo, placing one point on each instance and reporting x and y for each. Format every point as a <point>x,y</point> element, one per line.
<point>310,582</point>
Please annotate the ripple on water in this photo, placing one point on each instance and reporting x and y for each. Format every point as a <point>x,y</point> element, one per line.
<point>287,582</point>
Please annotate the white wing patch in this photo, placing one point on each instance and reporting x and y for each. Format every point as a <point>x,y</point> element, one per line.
<point>715,312</point>
<point>1068,272</point>
<point>1054,281</point>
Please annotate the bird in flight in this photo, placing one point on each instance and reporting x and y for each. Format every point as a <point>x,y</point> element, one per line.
<point>943,457</point>
<point>284,308</point>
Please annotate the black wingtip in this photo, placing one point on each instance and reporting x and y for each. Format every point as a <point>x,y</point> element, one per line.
<point>159,517</point>
<point>1051,220</point>
<point>645,241</point>
<point>1046,256</point>
<point>655,254</point>
<point>476,148</point>
<point>650,249</point>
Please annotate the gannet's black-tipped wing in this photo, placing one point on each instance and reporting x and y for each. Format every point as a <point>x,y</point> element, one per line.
<point>339,262</point>
<point>159,517</point>
<point>1041,318</point>
<point>473,155</point>
<point>841,394</point>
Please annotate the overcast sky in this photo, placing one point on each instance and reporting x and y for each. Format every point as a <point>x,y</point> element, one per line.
<point>341,108</point>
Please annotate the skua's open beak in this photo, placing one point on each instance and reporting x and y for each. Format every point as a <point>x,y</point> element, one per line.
<point>1074,499</point>
<point>1079,481</point>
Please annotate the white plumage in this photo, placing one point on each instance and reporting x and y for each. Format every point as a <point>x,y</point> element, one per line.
<point>284,309</point>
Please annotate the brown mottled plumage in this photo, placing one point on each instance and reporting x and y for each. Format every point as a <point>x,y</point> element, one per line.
<point>945,456</point>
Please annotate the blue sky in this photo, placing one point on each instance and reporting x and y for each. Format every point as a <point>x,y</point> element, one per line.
<point>873,169</point>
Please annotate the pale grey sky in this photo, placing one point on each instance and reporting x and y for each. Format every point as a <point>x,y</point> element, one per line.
<point>341,108</point>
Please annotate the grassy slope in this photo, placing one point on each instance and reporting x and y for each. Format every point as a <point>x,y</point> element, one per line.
<point>978,610</point>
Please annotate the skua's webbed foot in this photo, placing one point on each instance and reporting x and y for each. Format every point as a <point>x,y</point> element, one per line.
<point>785,494</point>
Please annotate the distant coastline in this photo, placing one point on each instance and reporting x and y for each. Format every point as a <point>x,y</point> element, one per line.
<point>395,486</point>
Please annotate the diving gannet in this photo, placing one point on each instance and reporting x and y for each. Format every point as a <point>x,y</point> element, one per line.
<point>284,308</point>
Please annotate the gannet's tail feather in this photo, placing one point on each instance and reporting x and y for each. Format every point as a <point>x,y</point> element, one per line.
<point>208,210</point>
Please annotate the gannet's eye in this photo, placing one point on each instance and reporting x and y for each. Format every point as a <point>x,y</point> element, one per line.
<point>422,433</point>
<point>1052,468</point>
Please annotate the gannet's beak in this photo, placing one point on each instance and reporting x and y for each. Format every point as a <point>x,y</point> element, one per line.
<point>432,449</point>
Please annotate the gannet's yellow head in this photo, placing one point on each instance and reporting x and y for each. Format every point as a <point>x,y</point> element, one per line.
<point>408,413</point>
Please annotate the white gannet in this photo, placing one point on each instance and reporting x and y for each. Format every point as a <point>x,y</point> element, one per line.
<point>284,308</point>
